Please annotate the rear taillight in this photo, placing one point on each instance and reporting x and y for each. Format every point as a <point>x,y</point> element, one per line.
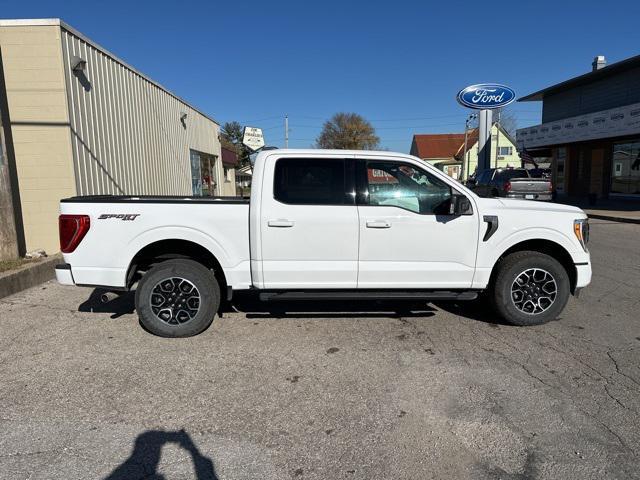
<point>73,228</point>
<point>550,187</point>
<point>507,186</point>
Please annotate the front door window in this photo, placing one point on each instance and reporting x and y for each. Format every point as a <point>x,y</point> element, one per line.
<point>405,186</point>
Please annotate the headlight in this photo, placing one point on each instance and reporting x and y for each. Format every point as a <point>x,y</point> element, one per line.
<point>581,230</point>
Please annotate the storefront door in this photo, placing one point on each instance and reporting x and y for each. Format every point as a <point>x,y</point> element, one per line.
<point>597,172</point>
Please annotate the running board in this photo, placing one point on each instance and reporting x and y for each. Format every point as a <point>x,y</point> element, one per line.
<point>370,295</point>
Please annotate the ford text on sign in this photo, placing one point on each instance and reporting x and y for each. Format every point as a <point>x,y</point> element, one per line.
<point>486,96</point>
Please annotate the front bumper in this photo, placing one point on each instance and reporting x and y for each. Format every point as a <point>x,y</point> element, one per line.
<point>583,274</point>
<point>64,275</point>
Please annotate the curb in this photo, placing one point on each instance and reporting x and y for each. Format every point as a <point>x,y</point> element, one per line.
<point>613,219</point>
<point>28,276</point>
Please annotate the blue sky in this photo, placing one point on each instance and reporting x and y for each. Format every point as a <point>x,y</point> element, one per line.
<point>397,63</point>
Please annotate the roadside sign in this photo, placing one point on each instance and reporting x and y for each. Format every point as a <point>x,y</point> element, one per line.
<point>252,138</point>
<point>486,96</point>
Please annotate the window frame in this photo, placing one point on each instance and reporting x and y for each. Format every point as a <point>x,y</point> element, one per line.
<point>348,175</point>
<point>362,184</point>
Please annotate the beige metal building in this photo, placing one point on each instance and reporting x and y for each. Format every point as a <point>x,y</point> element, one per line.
<point>79,121</point>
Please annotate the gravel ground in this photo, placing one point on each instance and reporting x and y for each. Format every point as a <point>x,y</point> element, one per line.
<point>327,391</point>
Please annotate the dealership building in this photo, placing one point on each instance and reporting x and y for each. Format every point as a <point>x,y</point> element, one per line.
<point>77,120</point>
<point>591,129</point>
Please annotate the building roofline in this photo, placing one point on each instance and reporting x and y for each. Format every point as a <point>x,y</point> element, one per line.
<point>583,79</point>
<point>56,22</point>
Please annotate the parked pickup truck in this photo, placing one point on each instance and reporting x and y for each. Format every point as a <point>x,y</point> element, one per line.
<point>511,183</point>
<point>327,224</point>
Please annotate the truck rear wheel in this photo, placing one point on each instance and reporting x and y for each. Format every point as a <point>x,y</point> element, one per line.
<point>530,288</point>
<point>177,298</point>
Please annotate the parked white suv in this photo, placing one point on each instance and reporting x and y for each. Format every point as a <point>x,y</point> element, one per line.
<point>327,224</point>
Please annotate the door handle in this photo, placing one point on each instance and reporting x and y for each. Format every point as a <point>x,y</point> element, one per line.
<point>378,224</point>
<point>280,223</point>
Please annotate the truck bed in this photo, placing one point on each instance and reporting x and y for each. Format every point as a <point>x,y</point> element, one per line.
<point>122,225</point>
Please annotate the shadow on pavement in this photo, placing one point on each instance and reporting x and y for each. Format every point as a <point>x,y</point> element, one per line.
<point>252,307</point>
<point>249,304</point>
<point>122,305</point>
<point>478,310</point>
<point>145,457</point>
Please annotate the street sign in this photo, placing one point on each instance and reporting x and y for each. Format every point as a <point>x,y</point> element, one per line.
<point>252,138</point>
<point>486,96</point>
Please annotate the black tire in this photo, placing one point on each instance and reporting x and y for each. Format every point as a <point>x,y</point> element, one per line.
<point>513,306</point>
<point>182,276</point>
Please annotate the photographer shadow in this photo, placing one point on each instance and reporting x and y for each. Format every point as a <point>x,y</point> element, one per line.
<point>145,457</point>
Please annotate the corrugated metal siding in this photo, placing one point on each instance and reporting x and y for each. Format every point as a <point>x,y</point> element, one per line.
<point>126,132</point>
<point>614,91</point>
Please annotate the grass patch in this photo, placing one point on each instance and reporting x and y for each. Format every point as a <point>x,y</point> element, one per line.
<point>6,265</point>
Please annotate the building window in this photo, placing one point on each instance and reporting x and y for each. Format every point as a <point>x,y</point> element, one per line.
<point>505,151</point>
<point>203,183</point>
<point>625,171</point>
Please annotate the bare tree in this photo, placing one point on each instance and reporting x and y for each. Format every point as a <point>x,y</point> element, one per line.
<point>348,131</point>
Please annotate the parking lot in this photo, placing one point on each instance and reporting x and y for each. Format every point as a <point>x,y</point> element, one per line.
<point>327,391</point>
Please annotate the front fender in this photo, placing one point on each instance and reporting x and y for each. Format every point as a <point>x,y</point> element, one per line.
<point>490,252</point>
<point>494,252</point>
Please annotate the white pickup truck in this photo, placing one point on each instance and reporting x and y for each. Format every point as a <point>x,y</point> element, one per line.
<point>328,224</point>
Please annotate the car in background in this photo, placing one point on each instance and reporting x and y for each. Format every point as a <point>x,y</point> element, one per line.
<point>511,183</point>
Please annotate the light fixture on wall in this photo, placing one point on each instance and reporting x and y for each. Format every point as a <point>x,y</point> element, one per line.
<point>183,119</point>
<point>78,65</point>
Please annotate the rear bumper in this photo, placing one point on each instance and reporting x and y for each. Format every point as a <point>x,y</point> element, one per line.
<point>64,275</point>
<point>543,197</point>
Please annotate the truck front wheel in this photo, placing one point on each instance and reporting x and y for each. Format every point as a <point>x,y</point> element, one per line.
<point>530,288</point>
<point>177,298</point>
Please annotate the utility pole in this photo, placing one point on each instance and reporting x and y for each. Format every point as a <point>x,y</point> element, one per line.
<point>465,166</point>
<point>286,131</point>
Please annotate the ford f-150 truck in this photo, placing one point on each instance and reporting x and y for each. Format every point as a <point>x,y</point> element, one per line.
<point>328,224</point>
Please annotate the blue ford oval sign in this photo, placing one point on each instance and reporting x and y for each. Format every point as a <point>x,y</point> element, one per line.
<point>486,96</point>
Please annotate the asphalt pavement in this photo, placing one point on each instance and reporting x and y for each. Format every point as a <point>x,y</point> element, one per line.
<point>327,390</point>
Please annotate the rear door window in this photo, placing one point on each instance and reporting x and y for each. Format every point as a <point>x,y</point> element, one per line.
<point>310,181</point>
<point>507,175</point>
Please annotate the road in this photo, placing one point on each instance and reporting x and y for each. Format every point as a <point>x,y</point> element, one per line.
<point>326,391</point>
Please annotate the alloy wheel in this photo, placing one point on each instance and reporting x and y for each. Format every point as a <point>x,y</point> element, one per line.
<point>175,300</point>
<point>534,291</point>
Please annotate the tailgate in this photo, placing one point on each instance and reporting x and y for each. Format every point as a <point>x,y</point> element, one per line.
<point>530,185</point>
